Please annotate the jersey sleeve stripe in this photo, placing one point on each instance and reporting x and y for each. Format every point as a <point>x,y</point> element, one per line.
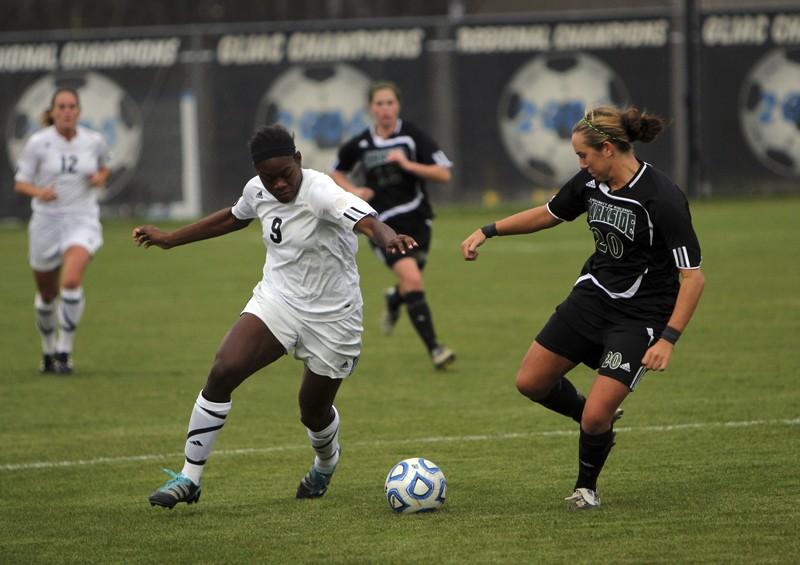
<point>681,256</point>
<point>680,260</point>
<point>353,214</point>
<point>441,159</point>
<point>685,253</point>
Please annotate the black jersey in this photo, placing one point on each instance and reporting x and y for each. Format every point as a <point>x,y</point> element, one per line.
<point>643,235</point>
<point>397,192</point>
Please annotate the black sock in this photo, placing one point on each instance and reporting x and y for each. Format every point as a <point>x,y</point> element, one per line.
<point>420,316</point>
<point>565,399</point>
<point>592,453</point>
<point>395,299</point>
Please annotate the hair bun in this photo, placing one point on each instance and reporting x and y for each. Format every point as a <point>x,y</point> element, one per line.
<point>641,126</point>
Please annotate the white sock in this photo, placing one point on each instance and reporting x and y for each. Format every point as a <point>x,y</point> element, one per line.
<point>46,323</point>
<point>70,312</point>
<point>326,444</point>
<point>204,426</point>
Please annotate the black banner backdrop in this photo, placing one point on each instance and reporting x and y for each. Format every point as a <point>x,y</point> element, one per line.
<point>129,91</point>
<point>313,82</point>
<point>500,97</point>
<point>522,87</point>
<point>751,102</point>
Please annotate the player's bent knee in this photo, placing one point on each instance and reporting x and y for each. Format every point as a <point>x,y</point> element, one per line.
<point>225,375</point>
<point>594,424</point>
<point>533,388</point>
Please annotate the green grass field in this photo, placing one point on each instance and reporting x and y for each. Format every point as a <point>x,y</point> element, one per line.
<point>705,469</point>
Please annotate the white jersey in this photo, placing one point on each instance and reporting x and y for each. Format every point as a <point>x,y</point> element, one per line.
<point>49,159</point>
<point>311,246</point>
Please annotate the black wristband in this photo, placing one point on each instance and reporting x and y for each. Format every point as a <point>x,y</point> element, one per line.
<point>489,230</point>
<point>670,334</point>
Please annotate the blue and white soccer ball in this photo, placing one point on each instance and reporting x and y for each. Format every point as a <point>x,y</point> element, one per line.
<point>543,101</point>
<point>105,107</point>
<point>770,111</point>
<point>415,485</point>
<point>323,105</point>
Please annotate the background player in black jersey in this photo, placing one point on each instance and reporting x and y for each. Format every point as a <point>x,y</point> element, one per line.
<point>396,159</point>
<point>635,294</point>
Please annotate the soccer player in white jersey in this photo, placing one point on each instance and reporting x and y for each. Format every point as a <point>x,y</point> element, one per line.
<point>635,294</point>
<point>308,302</point>
<point>61,169</point>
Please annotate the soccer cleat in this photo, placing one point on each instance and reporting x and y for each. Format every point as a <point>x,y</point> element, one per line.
<point>48,364</point>
<point>583,499</point>
<point>390,315</point>
<point>63,363</point>
<point>179,488</point>
<point>442,356</point>
<point>314,484</point>
<point>617,415</point>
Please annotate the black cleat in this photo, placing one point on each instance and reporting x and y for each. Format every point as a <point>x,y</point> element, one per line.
<point>179,488</point>
<point>48,364</point>
<point>63,363</point>
<point>390,315</point>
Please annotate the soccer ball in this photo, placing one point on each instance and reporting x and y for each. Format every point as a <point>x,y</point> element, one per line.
<point>770,111</point>
<point>324,106</point>
<point>541,104</point>
<point>105,107</point>
<point>415,485</point>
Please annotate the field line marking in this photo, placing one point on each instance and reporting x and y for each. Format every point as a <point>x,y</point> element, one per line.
<point>375,443</point>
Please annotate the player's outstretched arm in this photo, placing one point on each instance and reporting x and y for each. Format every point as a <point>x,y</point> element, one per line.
<point>214,225</point>
<point>384,236</point>
<point>528,221</point>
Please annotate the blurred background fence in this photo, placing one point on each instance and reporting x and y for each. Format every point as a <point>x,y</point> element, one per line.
<point>178,88</point>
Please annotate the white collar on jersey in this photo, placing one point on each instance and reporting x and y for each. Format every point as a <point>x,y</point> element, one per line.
<point>373,132</point>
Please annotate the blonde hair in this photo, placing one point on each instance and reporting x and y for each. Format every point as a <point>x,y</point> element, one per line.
<point>620,127</point>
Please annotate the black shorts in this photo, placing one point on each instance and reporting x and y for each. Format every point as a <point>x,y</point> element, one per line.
<point>420,230</point>
<point>590,333</point>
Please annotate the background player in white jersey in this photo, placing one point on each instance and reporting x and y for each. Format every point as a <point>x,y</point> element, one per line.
<point>61,168</point>
<point>635,295</point>
<point>396,159</point>
<point>308,302</point>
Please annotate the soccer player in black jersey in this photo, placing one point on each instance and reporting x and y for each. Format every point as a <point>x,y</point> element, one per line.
<point>635,294</point>
<point>396,159</point>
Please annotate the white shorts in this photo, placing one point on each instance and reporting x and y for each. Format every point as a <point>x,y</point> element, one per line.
<point>49,236</point>
<point>328,348</point>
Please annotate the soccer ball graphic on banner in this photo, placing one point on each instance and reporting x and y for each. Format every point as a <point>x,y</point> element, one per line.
<point>770,111</point>
<point>105,107</point>
<point>540,105</point>
<point>324,106</point>
<point>415,485</point>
